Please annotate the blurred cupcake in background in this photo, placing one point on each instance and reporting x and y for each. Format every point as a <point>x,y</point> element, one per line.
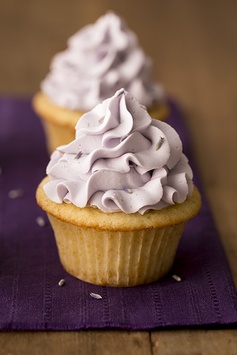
<point>100,59</point>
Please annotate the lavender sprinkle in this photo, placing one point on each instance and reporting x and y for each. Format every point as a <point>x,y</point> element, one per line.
<point>96,296</point>
<point>129,191</point>
<point>40,221</point>
<point>78,155</point>
<point>159,144</point>
<point>61,282</point>
<point>176,278</point>
<point>16,193</point>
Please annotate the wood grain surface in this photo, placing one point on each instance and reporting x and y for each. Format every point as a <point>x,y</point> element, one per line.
<point>194,48</point>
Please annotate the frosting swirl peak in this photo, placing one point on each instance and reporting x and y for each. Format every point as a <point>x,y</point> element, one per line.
<point>120,160</point>
<point>100,59</point>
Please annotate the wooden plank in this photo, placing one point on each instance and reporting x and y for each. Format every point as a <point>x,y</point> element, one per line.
<point>83,343</point>
<point>193,342</point>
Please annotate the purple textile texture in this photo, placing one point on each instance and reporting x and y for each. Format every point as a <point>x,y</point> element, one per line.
<point>30,297</point>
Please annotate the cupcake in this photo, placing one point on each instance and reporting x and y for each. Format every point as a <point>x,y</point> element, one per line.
<point>119,195</point>
<point>100,59</point>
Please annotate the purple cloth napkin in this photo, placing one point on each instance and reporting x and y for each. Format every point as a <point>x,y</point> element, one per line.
<point>30,297</point>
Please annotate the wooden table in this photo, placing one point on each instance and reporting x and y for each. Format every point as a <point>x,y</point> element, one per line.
<point>194,48</point>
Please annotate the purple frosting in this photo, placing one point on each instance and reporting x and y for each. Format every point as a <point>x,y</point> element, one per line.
<point>100,59</point>
<point>121,160</point>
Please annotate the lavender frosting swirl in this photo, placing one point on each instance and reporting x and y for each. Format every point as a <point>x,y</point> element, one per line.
<point>121,160</point>
<point>100,59</point>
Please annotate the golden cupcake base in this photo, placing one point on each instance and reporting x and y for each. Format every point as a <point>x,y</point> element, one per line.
<point>117,249</point>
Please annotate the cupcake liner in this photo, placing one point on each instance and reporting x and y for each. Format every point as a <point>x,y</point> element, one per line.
<point>116,258</point>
